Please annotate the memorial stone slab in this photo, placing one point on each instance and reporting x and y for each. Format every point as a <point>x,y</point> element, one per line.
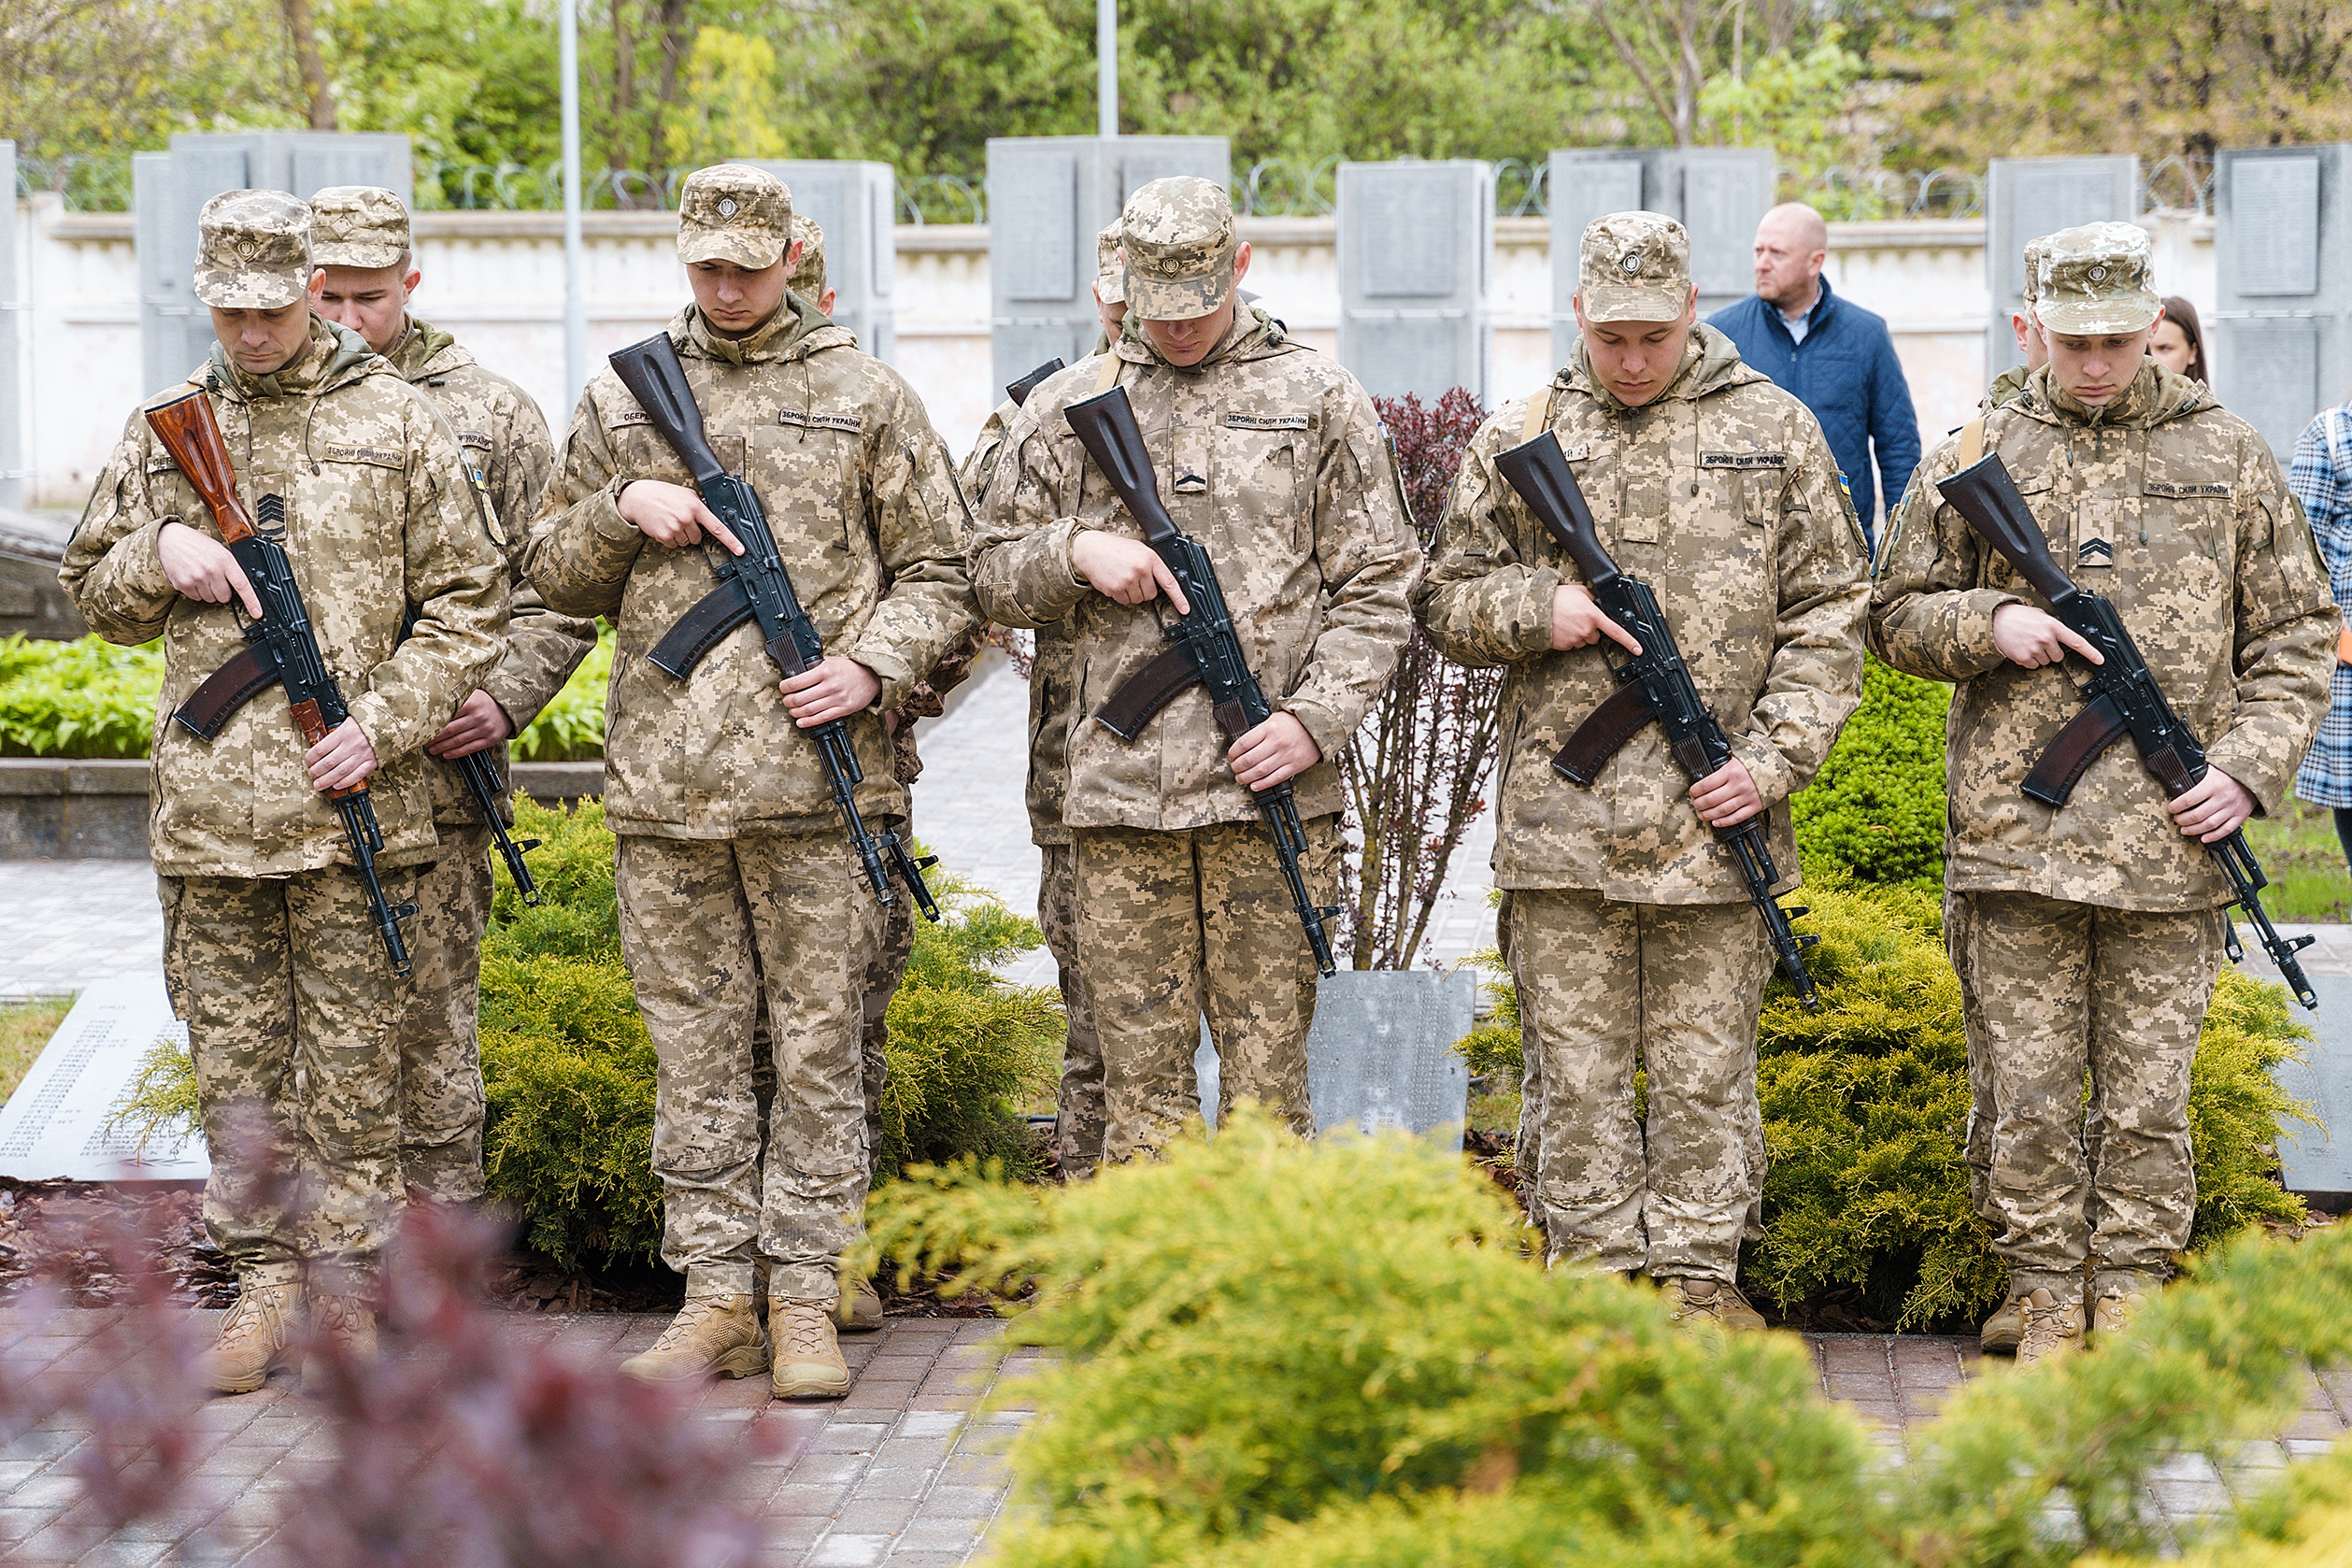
<point>1048,197</point>
<point>55,1124</point>
<point>856,203</point>
<point>15,467</point>
<point>1416,250</point>
<point>2026,198</point>
<point>2281,330</point>
<point>1381,1054</point>
<point>169,190</point>
<point>2316,1161</point>
<point>1718,194</point>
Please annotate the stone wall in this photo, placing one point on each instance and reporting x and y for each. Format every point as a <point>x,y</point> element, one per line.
<point>495,278</point>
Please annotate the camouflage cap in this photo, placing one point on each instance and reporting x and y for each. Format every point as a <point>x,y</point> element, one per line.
<point>1634,266</point>
<point>2033,248</point>
<point>1110,278</point>
<point>730,212</point>
<point>357,225</point>
<point>1177,237</point>
<point>252,250</point>
<point>808,277</point>
<point>2097,279</point>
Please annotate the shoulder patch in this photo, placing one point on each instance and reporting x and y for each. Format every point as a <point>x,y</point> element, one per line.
<point>1744,460</point>
<point>1269,421</point>
<point>474,438</point>
<point>852,424</point>
<point>2184,492</point>
<point>380,457</point>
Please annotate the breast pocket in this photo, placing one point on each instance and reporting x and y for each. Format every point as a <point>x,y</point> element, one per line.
<point>1260,461</point>
<point>808,482</point>
<point>2177,544</point>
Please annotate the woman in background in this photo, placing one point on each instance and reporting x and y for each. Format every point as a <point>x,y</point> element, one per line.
<point>2321,478</point>
<point>2178,342</point>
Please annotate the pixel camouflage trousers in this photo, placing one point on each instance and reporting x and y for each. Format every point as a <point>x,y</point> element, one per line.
<point>703,923</point>
<point>1604,985</point>
<point>441,1108</point>
<point>2062,989</point>
<point>1172,925</point>
<point>1078,1108</point>
<point>277,977</point>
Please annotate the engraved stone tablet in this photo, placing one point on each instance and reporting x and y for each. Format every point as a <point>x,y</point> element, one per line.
<point>2274,225</point>
<point>1034,196</point>
<point>1585,189</point>
<point>1722,202</point>
<point>1139,167</point>
<point>2044,200</point>
<point>55,1124</point>
<point>1408,237</point>
<point>2319,1159</point>
<point>1380,1056</point>
<point>2271,376</point>
<point>1421,355</point>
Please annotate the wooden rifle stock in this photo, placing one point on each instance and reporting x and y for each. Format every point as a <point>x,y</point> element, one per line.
<point>192,435</point>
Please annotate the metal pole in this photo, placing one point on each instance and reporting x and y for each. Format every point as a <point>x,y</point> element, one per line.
<point>574,248</point>
<point>1106,67</point>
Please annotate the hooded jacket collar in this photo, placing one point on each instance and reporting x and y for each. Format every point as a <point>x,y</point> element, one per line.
<point>1254,335</point>
<point>796,330</point>
<point>336,357</point>
<point>424,350</point>
<point>2156,396</point>
<point>1710,363</point>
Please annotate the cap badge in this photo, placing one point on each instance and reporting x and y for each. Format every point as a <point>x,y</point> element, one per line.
<point>249,248</point>
<point>342,224</point>
<point>726,206</point>
<point>1631,264</point>
<point>2097,275</point>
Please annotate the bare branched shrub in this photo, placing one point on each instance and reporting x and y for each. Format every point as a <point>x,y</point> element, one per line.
<point>1413,770</point>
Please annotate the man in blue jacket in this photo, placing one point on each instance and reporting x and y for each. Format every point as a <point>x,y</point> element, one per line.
<point>1834,356</point>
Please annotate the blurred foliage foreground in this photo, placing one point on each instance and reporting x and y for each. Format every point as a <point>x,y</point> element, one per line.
<point>569,1072</point>
<point>1283,1355</point>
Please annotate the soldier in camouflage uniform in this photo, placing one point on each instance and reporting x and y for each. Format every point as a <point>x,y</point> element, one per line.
<point>2007,386</point>
<point>1052,675</point>
<point>2092,932</point>
<point>361,237</point>
<point>268,948</point>
<point>1629,931</point>
<point>1273,457</point>
<point>734,870</point>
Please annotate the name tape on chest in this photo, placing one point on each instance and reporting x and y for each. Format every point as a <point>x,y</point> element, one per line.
<point>848,424</point>
<point>1744,460</point>
<point>379,457</point>
<point>1269,421</point>
<point>474,438</point>
<point>2186,491</point>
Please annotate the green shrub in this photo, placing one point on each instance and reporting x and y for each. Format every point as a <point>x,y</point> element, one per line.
<point>1875,810</point>
<point>571,728</point>
<point>83,698</point>
<point>1280,1356</point>
<point>1865,1108</point>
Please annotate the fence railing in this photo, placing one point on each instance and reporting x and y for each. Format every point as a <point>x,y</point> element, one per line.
<point>1270,187</point>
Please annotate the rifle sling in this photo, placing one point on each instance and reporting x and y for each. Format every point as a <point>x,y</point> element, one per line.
<point>2097,726</point>
<point>239,681</point>
<point>701,629</point>
<point>1603,733</point>
<point>1142,696</point>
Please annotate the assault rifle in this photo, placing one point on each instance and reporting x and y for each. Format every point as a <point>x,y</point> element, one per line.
<point>1018,390</point>
<point>280,647</point>
<point>481,783</point>
<point>1206,650</point>
<point>1654,684</point>
<point>2122,698</point>
<point>754,587</point>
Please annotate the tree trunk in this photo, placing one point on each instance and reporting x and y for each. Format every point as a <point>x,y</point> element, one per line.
<point>678,43</point>
<point>314,69</point>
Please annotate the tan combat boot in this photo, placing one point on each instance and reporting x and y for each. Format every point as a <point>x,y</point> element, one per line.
<point>2120,1298</point>
<point>256,1339</point>
<point>809,1363</point>
<point>341,1326</point>
<point>2003,1329</point>
<point>2052,1327</point>
<point>860,1309</point>
<point>1712,1300</point>
<point>711,1336</point>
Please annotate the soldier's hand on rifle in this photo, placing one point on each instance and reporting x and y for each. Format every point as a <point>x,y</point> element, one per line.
<point>1128,570</point>
<point>343,760</point>
<point>834,688</point>
<point>1728,796</point>
<point>2035,637</point>
<point>2216,806</point>
<point>1278,749</point>
<point>201,567</point>
<point>671,515</point>
<point>1578,623</point>
<point>479,723</point>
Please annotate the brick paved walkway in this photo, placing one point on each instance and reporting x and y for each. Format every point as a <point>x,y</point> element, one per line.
<point>904,1472</point>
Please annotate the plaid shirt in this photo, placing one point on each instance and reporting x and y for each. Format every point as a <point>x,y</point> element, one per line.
<point>2321,480</point>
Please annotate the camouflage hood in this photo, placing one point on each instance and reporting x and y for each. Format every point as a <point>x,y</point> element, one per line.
<point>1710,363</point>
<point>797,330</point>
<point>1254,336</point>
<point>424,350</point>
<point>337,357</point>
<point>2156,396</point>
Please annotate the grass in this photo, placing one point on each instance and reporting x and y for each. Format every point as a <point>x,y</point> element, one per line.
<point>2298,849</point>
<point>25,1028</point>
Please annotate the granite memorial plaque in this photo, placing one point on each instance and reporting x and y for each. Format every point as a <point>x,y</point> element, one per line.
<point>2275,228</point>
<point>55,1124</point>
<point>1726,193</point>
<point>2026,198</point>
<point>1035,193</point>
<point>1416,246</point>
<point>1381,1055</point>
<point>854,203</point>
<point>2280,398</point>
